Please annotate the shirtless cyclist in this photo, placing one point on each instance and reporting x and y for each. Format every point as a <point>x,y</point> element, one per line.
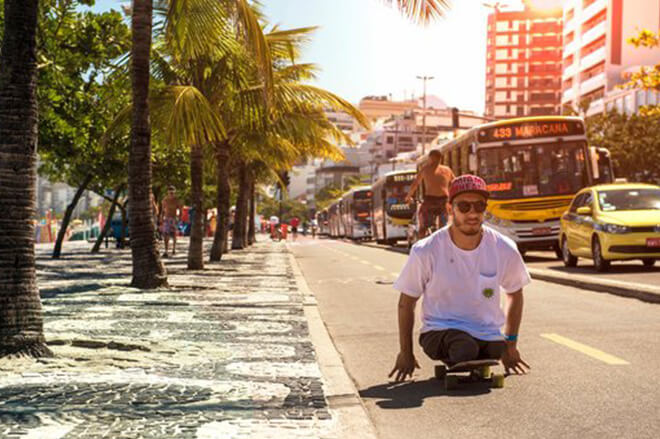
<point>436,178</point>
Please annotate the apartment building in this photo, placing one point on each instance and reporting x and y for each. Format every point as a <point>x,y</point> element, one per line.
<point>596,55</point>
<point>523,61</point>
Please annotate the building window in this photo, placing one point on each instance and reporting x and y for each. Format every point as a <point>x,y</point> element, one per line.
<point>593,46</point>
<point>390,140</point>
<point>569,37</point>
<point>570,14</point>
<point>594,21</point>
<point>593,71</point>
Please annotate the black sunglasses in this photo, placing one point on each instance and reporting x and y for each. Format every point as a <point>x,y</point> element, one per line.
<point>466,206</point>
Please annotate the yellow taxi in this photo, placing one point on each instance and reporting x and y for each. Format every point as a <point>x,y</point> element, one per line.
<point>612,222</point>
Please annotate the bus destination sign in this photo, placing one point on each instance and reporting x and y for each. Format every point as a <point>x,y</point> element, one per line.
<point>530,130</point>
<point>402,177</point>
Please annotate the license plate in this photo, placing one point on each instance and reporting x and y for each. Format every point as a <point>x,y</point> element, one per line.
<point>542,231</point>
<point>653,242</point>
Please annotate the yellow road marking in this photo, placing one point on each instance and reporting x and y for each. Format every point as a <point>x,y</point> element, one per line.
<point>587,350</point>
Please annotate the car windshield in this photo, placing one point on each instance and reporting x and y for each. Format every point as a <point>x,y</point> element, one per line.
<point>534,170</point>
<point>629,199</point>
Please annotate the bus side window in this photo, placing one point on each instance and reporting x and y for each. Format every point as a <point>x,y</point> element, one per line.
<point>465,154</point>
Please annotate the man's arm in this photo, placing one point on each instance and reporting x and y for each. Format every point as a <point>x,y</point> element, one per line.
<point>511,357</point>
<point>415,185</point>
<point>405,362</point>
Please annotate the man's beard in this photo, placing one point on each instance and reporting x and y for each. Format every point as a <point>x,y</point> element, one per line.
<point>465,229</point>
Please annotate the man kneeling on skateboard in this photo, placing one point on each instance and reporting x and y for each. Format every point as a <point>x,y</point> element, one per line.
<point>459,272</point>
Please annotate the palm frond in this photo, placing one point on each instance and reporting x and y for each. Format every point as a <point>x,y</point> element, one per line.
<point>185,116</point>
<point>421,11</point>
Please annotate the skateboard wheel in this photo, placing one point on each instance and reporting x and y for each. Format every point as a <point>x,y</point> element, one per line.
<point>485,372</point>
<point>451,382</point>
<point>440,372</point>
<point>497,381</point>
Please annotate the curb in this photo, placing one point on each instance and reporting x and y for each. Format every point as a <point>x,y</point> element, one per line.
<point>643,292</point>
<point>341,394</point>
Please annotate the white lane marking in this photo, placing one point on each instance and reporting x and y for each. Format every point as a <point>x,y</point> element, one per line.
<point>587,350</point>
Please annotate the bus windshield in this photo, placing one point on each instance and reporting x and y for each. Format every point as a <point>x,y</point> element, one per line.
<point>534,170</point>
<point>395,200</point>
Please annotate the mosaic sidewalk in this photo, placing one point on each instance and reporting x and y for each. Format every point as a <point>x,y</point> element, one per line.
<point>224,353</point>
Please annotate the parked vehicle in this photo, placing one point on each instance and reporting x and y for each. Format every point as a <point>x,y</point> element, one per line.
<point>612,222</point>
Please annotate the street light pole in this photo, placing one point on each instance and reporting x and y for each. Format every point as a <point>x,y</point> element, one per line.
<point>424,79</point>
<point>396,142</point>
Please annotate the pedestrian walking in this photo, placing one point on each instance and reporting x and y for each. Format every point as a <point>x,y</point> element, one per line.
<point>459,272</point>
<point>170,210</point>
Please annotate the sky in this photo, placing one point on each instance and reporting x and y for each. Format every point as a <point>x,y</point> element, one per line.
<point>365,47</point>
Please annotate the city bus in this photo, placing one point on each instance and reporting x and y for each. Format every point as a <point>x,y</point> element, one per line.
<point>356,213</point>
<point>391,214</point>
<point>533,166</point>
<point>322,222</point>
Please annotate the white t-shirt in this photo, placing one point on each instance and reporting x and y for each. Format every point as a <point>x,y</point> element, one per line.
<point>461,289</point>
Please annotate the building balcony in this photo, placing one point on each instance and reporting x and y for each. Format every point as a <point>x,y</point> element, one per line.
<point>593,33</point>
<point>570,25</point>
<point>570,71</point>
<point>593,58</point>
<point>592,84</point>
<point>568,95</point>
<point>570,47</point>
<point>593,9</point>
<point>597,106</point>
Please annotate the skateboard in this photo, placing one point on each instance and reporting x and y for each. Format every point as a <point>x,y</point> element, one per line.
<point>478,372</point>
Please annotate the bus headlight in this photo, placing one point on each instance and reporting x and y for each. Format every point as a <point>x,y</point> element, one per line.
<point>496,221</point>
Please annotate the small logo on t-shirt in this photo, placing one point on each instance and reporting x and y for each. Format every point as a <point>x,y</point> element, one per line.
<point>488,293</point>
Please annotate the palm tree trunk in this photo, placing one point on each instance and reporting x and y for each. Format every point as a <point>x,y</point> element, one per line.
<point>238,241</point>
<point>196,248</point>
<point>108,222</point>
<point>252,235</point>
<point>57,250</point>
<point>222,202</point>
<point>148,270</point>
<point>21,320</point>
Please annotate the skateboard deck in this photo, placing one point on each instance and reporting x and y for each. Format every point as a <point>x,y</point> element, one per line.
<point>479,371</point>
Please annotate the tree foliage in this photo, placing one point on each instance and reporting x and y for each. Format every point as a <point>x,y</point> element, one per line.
<point>648,77</point>
<point>634,142</point>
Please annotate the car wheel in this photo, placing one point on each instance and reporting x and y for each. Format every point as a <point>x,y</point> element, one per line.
<point>600,263</point>
<point>558,252</point>
<point>648,262</point>
<point>566,255</point>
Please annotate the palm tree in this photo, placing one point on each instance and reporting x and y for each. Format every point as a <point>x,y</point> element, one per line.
<point>21,322</point>
<point>148,269</point>
<point>422,11</point>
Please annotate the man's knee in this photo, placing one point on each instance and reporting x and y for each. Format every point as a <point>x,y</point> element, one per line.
<point>464,349</point>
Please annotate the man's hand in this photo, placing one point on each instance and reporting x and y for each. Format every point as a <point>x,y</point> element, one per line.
<point>409,199</point>
<point>512,362</point>
<point>405,365</point>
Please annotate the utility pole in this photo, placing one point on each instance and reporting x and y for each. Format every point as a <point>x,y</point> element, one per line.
<point>396,141</point>
<point>424,79</point>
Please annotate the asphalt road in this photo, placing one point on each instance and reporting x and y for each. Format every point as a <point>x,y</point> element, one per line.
<point>604,386</point>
